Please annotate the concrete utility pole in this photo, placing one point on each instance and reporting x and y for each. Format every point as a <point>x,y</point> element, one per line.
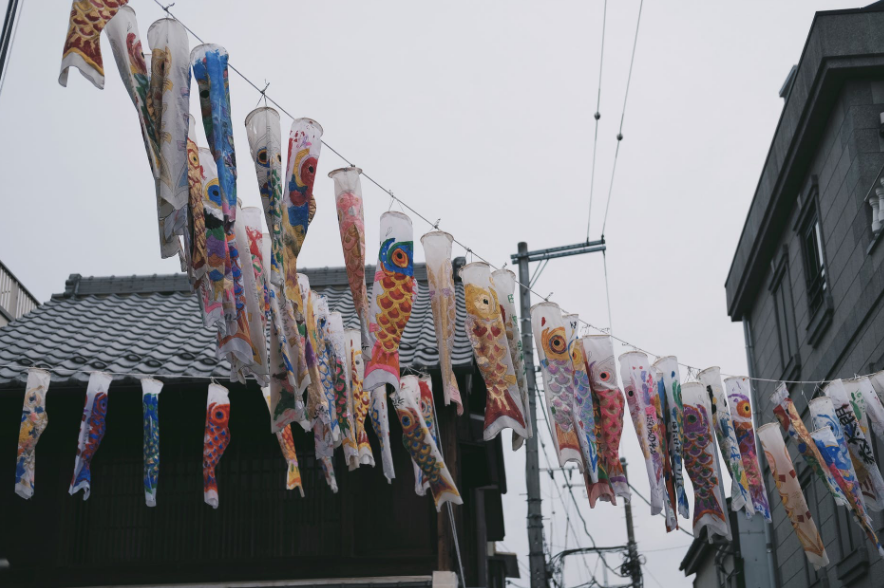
<point>635,569</point>
<point>536,558</point>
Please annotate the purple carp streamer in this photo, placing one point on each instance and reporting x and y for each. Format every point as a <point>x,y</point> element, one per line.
<point>34,421</point>
<point>701,462</point>
<point>92,429</point>
<point>150,398</point>
<point>741,499</point>
<point>791,422</point>
<point>558,378</point>
<point>82,44</point>
<point>674,419</point>
<point>643,399</point>
<point>437,251</point>
<point>786,479</point>
<point>847,407</point>
<point>420,444</point>
<point>487,334</point>
<point>504,282</point>
<point>738,394</point>
<point>351,223</point>
<point>608,404</point>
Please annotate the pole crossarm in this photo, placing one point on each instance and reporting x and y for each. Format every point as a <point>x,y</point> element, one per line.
<point>563,251</point>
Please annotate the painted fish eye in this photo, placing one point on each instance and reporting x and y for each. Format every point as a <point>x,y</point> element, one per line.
<point>194,159</point>
<point>691,419</point>
<point>604,376</point>
<point>558,344</point>
<point>400,258</point>
<point>204,94</point>
<point>261,158</point>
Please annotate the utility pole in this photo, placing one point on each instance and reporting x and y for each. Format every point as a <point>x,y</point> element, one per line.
<point>635,569</point>
<point>536,557</point>
<point>10,22</point>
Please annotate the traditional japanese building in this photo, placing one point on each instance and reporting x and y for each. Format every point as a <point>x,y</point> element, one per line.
<point>369,533</point>
<point>807,278</point>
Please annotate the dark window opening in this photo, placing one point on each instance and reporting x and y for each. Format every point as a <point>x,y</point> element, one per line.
<point>814,263</point>
<point>784,313</point>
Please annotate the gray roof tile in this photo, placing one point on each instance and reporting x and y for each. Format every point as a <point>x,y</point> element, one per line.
<point>152,325</point>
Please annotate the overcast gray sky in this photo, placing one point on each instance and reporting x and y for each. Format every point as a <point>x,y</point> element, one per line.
<point>478,113</point>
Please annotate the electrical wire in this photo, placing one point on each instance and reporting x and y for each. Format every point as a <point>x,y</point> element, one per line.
<point>689,534</point>
<point>623,114</point>
<point>597,116</point>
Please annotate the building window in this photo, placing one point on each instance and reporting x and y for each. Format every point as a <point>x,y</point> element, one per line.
<point>787,337</point>
<point>814,261</point>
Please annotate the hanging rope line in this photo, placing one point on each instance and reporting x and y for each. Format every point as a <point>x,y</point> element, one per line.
<point>597,116</point>
<point>470,250</point>
<point>622,115</point>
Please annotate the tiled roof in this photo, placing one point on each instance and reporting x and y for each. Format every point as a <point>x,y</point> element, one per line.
<point>153,325</point>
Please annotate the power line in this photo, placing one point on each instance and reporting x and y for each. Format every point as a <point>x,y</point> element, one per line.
<point>623,114</point>
<point>661,514</point>
<point>597,116</point>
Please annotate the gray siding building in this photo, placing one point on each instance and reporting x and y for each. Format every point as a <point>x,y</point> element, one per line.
<point>807,277</point>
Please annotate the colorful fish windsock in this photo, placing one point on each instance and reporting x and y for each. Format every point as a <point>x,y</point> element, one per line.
<point>122,33</point>
<point>219,306</point>
<point>420,444</point>
<point>351,222</point>
<point>170,95</point>
<point>361,397</point>
<point>674,419</point>
<point>504,282</point>
<point>837,459</point>
<point>867,471</point>
<point>437,251</point>
<point>783,473</point>
<point>326,434</point>
<point>82,45</point>
<point>317,405</point>
<point>487,334</point>
<point>287,446</point>
<point>701,462</point>
<point>874,409</point>
<point>343,393</point>
<point>92,429</point>
<point>285,400</point>
<point>298,205</point>
<point>150,404</point>
<point>249,235</point>
<point>196,251</point>
<point>330,378</point>
<point>391,299</point>
<point>265,146</point>
<point>790,420</point>
<point>582,409</point>
<point>643,397</point>
<point>410,387</point>
<point>608,404</point>
<point>558,378</point>
<point>215,440</point>
<point>741,499</point>
<point>669,501</point>
<point>822,414</point>
<point>34,421</point>
<point>738,394</point>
